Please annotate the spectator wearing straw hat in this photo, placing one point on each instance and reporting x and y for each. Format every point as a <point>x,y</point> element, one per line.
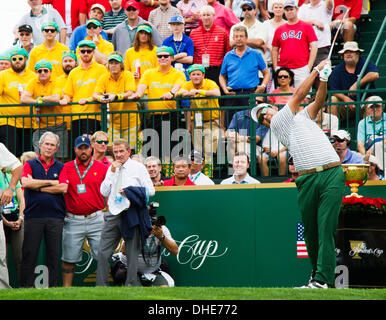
<point>345,76</point>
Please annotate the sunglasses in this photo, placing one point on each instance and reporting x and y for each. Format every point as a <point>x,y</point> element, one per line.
<point>283,77</point>
<point>92,26</point>
<point>102,141</point>
<point>49,30</point>
<point>43,71</point>
<point>247,9</point>
<point>83,51</point>
<point>131,9</point>
<point>164,56</point>
<point>17,59</point>
<point>24,34</point>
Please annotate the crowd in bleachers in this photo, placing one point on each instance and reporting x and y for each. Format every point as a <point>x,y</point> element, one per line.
<point>68,60</point>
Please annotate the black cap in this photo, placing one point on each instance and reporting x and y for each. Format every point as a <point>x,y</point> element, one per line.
<point>25,27</point>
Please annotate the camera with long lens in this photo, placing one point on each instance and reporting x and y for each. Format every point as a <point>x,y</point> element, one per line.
<point>155,220</point>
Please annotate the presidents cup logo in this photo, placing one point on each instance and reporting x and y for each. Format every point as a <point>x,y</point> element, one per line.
<point>194,252</point>
<point>360,247</point>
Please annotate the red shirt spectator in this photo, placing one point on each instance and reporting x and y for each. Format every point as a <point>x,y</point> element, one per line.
<point>294,43</point>
<point>60,6</point>
<point>91,200</point>
<point>354,5</point>
<point>144,10</point>
<point>85,5</point>
<point>171,182</point>
<point>214,42</point>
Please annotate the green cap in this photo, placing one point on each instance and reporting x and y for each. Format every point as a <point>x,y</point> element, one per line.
<point>50,24</point>
<point>86,43</point>
<point>43,64</point>
<point>94,21</point>
<point>4,57</point>
<point>18,51</point>
<point>195,67</point>
<point>144,27</point>
<point>165,49</point>
<point>114,56</point>
<point>69,54</point>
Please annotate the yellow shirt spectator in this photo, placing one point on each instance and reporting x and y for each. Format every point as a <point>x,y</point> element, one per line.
<point>207,84</point>
<point>147,59</point>
<point>125,82</point>
<point>37,89</point>
<point>159,83</point>
<point>103,46</point>
<point>11,85</point>
<point>53,55</point>
<point>81,84</point>
<point>60,84</point>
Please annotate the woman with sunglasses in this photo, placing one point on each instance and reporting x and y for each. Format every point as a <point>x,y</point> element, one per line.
<point>284,80</point>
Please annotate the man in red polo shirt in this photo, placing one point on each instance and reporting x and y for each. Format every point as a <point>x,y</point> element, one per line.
<point>84,218</point>
<point>211,43</point>
<point>181,173</point>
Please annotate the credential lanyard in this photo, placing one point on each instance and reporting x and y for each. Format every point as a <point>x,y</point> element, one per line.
<point>85,172</point>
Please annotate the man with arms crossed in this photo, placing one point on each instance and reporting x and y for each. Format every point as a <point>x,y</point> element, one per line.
<point>321,180</point>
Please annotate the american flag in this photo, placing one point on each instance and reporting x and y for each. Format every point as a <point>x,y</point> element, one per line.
<point>301,249</point>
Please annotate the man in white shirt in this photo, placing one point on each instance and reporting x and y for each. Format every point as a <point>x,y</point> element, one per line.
<point>195,171</point>
<point>240,166</point>
<point>122,173</point>
<point>321,182</point>
<point>10,163</point>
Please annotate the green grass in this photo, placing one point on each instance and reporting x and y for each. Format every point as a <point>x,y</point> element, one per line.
<point>190,293</point>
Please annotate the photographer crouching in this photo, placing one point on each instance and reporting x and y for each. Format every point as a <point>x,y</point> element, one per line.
<point>151,269</point>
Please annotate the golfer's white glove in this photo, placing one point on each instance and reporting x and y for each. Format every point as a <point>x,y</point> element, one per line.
<point>324,74</point>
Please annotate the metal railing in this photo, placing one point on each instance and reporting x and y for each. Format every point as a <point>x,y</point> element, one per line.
<point>211,133</point>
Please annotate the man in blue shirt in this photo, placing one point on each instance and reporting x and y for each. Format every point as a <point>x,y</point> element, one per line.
<point>239,74</point>
<point>372,129</point>
<point>345,76</point>
<point>341,141</point>
<point>182,45</point>
<point>238,133</point>
<point>81,32</point>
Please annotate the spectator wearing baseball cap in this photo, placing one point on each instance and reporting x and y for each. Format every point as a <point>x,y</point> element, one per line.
<point>372,130</point>
<point>5,62</point>
<point>37,16</point>
<point>341,142</point>
<point>87,5</point>
<point>182,45</point>
<point>25,37</point>
<point>161,15</point>
<point>374,169</point>
<point>102,47</point>
<point>96,12</point>
<point>257,33</point>
<point>197,164</point>
<point>124,34</point>
<point>296,53</point>
<point>345,76</point>
<point>50,49</point>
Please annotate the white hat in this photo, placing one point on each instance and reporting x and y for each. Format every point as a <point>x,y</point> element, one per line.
<point>350,46</point>
<point>374,160</point>
<point>256,109</point>
<point>99,6</point>
<point>374,99</point>
<point>342,134</point>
